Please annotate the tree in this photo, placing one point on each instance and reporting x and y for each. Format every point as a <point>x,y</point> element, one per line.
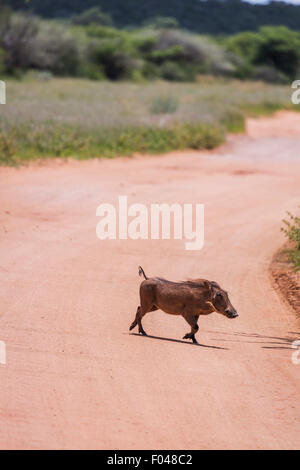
<point>162,22</point>
<point>93,16</point>
<point>280,48</point>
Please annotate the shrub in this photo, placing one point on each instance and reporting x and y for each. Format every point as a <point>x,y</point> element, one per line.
<point>116,57</point>
<point>269,74</point>
<point>2,61</point>
<point>103,32</point>
<point>274,47</point>
<point>54,49</point>
<point>16,34</point>
<point>150,71</point>
<point>162,22</point>
<point>190,51</point>
<point>7,147</point>
<point>44,75</point>
<point>164,105</point>
<point>233,120</point>
<point>183,45</point>
<point>90,70</point>
<point>177,73</point>
<point>279,48</point>
<point>27,142</point>
<point>159,56</point>
<point>292,231</point>
<point>92,16</point>
<point>31,43</point>
<point>245,45</point>
<point>143,41</point>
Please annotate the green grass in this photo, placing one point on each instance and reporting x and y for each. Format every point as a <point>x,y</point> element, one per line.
<point>86,119</point>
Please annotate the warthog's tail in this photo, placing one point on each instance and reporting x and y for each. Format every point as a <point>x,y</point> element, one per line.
<point>142,272</point>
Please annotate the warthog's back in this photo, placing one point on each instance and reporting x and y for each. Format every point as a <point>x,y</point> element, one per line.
<point>176,297</point>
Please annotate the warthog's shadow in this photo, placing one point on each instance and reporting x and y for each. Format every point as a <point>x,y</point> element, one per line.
<point>177,341</point>
<point>281,342</point>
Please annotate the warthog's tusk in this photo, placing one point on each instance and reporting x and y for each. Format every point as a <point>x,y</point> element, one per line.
<point>210,303</point>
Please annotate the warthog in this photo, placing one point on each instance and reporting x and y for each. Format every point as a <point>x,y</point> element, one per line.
<point>187,298</point>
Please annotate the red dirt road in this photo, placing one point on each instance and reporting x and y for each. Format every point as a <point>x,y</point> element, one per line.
<point>75,377</point>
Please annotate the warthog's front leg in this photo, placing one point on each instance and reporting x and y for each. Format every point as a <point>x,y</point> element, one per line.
<point>192,321</point>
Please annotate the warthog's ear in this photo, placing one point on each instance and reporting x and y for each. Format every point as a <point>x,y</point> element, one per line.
<point>207,285</point>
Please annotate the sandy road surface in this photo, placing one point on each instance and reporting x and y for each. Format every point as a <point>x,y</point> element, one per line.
<point>75,377</point>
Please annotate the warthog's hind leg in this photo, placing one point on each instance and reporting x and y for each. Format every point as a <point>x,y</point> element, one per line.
<point>141,311</point>
<point>140,315</point>
<point>192,321</point>
<point>135,321</point>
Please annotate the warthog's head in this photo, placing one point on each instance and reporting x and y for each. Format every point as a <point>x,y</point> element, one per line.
<point>220,302</point>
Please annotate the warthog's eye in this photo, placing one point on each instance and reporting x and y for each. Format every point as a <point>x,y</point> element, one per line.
<point>220,298</point>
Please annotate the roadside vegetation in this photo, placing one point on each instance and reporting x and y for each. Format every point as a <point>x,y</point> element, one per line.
<point>79,86</point>
<point>292,231</point>
<point>46,117</point>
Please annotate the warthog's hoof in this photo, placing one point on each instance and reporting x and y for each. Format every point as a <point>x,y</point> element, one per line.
<point>190,336</point>
<point>143,332</point>
<point>187,336</point>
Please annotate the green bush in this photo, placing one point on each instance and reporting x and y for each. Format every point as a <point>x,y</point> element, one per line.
<point>185,46</point>
<point>8,147</point>
<point>175,72</point>
<point>269,74</point>
<point>2,61</point>
<point>90,47</point>
<point>103,32</point>
<point>92,16</point>
<point>275,48</point>
<point>280,48</point>
<point>292,231</point>
<point>91,71</point>
<point>55,49</point>
<point>30,43</point>
<point>164,105</point>
<point>162,22</point>
<point>245,45</point>
<point>160,56</point>
<point>150,71</point>
<point>116,57</point>
<point>25,142</point>
<point>233,120</point>
<point>17,33</point>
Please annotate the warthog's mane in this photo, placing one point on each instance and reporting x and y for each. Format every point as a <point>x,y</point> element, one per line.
<point>193,283</point>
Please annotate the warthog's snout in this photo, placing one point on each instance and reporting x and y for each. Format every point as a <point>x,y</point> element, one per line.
<point>231,313</point>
